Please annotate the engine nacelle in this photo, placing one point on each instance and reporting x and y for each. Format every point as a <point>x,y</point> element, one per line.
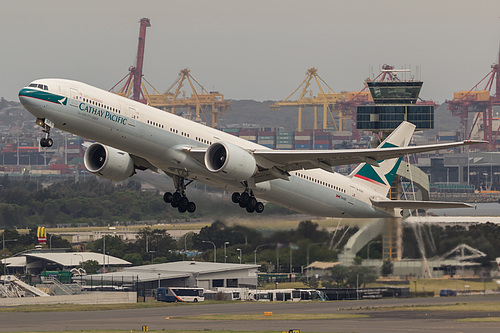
<point>108,162</point>
<point>230,161</point>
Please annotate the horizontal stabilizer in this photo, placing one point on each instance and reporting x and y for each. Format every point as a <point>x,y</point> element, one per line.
<point>404,204</point>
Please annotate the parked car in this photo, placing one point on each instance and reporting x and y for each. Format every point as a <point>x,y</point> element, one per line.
<point>447,292</point>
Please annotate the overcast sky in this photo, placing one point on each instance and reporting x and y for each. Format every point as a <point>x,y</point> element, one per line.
<point>258,49</point>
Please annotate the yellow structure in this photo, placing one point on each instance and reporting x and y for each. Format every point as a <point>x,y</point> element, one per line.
<point>328,100</point>
<point>174,100</point>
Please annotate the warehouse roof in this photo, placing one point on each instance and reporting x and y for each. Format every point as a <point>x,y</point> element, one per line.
<point>69,259</point>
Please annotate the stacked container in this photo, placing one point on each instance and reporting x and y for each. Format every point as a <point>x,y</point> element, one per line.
<point>303,140</point>
<point>233,131</point>
<point>284,140</point>
<point>249,134</point>
<point>322,140</point>
<point>267,138</point>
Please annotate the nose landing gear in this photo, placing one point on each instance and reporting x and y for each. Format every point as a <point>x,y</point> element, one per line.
<point>46,141</point>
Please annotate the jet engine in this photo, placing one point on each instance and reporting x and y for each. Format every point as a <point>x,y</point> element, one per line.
<point>108,162</point>
<point>230,161</point>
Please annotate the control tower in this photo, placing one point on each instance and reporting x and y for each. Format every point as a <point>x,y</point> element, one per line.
<point>395,101</point>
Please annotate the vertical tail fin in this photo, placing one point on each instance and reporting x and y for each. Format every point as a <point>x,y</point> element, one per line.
<point>380,178</point>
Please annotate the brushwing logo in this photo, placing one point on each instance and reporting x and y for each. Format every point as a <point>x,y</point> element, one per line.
<point>63,101</point>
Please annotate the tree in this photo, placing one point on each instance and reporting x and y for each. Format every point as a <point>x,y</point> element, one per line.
<point>91,266</point>
<point>387,268</point>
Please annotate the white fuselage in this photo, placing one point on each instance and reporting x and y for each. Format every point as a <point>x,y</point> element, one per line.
<point>158,137</point>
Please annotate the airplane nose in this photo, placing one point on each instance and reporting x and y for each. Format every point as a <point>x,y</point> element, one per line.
<point>28,98</point>
<point>26,94</point>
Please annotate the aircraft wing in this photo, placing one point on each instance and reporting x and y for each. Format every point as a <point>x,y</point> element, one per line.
<point>410,204</point>
<point>310,159</point>
<point>275,164</point>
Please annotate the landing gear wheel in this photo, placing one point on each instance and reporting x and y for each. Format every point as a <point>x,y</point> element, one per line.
<point>182,209</point>
<point>244,197</point>
<point>259,208</point>
<point>250,209</point>
<point>252,202</point>
<point>176,197</point>
<point>183,202</point>
<point>174,204</point>
<point>50,142</point>
<point>167,197</point>
<point>191,207</point>
<point>43,142</point>
<point>236,197</point>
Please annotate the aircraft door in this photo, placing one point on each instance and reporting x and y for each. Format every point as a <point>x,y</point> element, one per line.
<point>351,195</point>
<point>133,114</point>
<point>74,96</point>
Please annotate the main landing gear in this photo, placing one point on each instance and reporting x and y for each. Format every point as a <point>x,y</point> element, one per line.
<point>178,199</point>
<point>248,201</point>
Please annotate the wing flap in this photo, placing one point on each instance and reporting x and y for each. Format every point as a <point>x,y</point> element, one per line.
<point>404,204</point>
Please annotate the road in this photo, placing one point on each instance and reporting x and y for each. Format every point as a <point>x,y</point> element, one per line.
<point>164,317</point>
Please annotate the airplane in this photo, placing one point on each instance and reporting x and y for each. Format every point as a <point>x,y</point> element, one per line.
<point>130,136</point>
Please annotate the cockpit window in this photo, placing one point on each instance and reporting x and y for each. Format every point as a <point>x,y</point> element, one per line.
<point>40,86</point>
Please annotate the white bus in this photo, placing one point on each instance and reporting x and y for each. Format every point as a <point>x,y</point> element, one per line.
<point>180,294</point>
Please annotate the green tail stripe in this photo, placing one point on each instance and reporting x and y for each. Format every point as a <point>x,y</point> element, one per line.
<point>367,171</point>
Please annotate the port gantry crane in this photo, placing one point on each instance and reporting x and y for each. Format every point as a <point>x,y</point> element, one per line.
<point>482,103</point>
<point>133,87</point>
<point>173,100</point>
<point>327,99</point>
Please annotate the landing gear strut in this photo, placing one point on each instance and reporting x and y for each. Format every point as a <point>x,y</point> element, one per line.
<point>178,199</point>
<point>248,201</point>
<point>46,141</point>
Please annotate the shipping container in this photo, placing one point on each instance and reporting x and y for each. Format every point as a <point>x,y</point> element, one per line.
<point>322,147</point>
<point>302,147</point>
<point>284,146</point>
<point>302,142</point>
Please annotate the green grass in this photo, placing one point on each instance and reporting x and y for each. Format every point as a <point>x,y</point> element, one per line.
<point>276,316</point>
<point>480,320</point>
<point>469,307</point>
<point>435,285</point>
<point>172,331</point>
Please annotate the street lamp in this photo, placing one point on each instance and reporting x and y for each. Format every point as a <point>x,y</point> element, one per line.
<point>255,251</point>
<point>240,255</point>
<point>81,262</point>
<point>307,256</point>
<point>152,253</point>
<point>225,255</point>
<point>6,240</point>
<point>50,240</point>
<point>215,249</point>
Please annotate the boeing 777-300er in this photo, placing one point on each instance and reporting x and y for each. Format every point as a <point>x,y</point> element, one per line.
<point>129,135</point>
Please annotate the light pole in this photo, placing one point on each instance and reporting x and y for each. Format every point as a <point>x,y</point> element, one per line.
<point>307,256</point>
<point>6,240</point>
<point>50,240</point>
<point>225,253</point>
<point>152,253</point>
<point>239,250</point>
<point>81,262</point>
<point>255,251</point>
<point>215,249</point>
<point>159,283</point>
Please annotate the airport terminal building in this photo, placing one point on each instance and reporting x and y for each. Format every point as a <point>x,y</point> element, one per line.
<point>206,275</point>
